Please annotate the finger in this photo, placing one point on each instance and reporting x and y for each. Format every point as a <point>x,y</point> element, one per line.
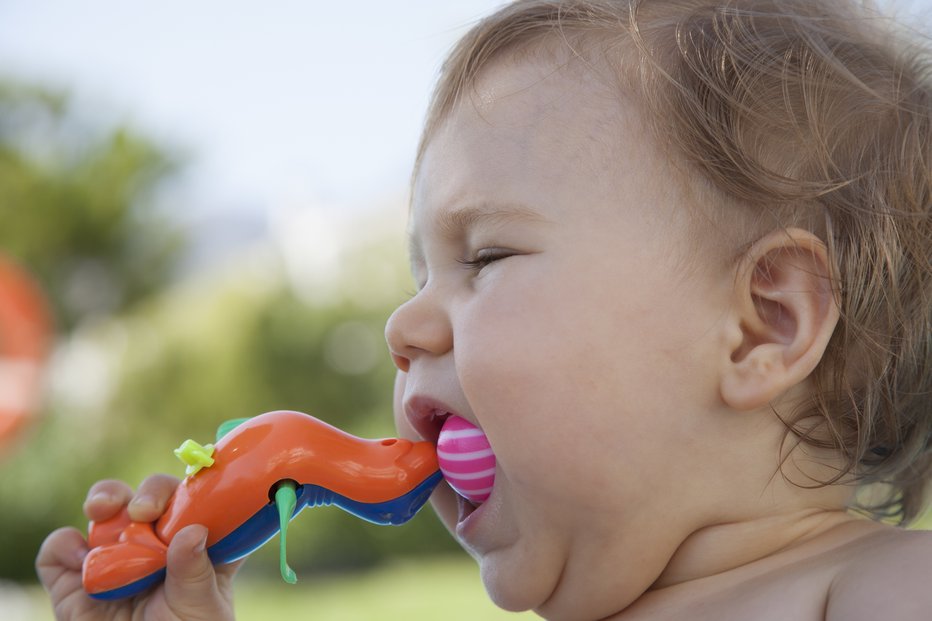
<point>151,498</point>
<point>59,562</point>
<point>228,570</point>
<point>106,498</point>
<point>225,573</point>
<point>190,583</point>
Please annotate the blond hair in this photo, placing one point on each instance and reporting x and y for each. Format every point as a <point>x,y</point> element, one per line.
<point>794,110</point>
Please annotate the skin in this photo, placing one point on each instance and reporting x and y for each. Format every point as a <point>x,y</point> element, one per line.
<point>627,388</point>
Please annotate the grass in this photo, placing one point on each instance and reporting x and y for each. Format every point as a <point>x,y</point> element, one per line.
<point>445,588</point>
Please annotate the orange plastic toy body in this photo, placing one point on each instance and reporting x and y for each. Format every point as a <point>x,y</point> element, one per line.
<point>383,481</point>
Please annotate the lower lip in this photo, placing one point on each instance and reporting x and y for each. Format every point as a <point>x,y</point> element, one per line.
<point>467,517</point>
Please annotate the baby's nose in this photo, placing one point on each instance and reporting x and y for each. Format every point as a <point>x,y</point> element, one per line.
<point>419,326</point>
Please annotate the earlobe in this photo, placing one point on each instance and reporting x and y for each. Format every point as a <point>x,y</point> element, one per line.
<point>783,315</point>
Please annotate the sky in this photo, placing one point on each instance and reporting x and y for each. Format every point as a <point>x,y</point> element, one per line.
<point>274,106</point>
<point>267,102</point>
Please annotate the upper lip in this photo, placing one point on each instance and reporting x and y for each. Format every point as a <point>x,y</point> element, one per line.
<point>426,415</point>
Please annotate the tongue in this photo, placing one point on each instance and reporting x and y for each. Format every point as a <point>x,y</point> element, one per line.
<point>466,459</point>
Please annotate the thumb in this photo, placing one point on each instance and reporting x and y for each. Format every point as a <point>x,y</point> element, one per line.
<point>190,583</point>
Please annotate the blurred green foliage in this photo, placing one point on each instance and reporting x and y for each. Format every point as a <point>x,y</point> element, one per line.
<point>144,361</point>
<point>77,205</point>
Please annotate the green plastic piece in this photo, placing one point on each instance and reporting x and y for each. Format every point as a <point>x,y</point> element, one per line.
<point>195,456</point>
<point>285,500</point>
<point>228,426</point>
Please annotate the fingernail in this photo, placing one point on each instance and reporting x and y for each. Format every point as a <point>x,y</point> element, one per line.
<point>143,502</point>
<point>100,498</point>
<point>201,544</point>
<point>80,555</point>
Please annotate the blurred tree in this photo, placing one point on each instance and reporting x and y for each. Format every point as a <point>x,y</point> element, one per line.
<point>77,205</point>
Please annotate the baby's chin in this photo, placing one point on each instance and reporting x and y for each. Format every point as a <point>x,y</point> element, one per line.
<point>516,577</point>
<point>517,584</point>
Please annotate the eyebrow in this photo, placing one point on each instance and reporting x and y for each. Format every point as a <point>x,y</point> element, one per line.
<point>450,224</point>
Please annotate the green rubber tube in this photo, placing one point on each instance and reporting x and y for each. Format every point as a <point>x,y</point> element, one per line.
<point>285,501</point>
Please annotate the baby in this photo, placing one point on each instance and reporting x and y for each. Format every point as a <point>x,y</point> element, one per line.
<point>674,257</point>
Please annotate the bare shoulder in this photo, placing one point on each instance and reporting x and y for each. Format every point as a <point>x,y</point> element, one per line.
<point>883,575</point>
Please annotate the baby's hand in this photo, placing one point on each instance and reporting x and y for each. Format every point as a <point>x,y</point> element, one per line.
<point>193,588</point>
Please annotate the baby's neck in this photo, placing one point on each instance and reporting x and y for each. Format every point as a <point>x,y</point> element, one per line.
<point>758,545</point>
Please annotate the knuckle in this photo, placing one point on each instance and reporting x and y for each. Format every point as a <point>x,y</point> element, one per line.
<point>108,487</point>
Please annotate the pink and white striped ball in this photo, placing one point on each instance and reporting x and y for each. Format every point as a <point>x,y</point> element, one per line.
<point>466,459</point>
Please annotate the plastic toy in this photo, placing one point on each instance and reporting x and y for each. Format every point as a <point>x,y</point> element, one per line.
<point>466,459</point>
<point>262,472</point>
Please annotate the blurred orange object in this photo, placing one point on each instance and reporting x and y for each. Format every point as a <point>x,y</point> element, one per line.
<point>25,332</point>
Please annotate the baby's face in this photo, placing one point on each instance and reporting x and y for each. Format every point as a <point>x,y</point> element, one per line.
<point>555,312</point>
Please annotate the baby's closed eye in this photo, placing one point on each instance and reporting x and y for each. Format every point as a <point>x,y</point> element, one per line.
<point>486,256</point>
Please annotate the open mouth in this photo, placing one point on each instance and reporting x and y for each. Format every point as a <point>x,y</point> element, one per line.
<point>426,417</point>
<point>463,451</point>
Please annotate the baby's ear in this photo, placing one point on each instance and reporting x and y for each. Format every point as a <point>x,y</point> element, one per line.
<point>783,314</point>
